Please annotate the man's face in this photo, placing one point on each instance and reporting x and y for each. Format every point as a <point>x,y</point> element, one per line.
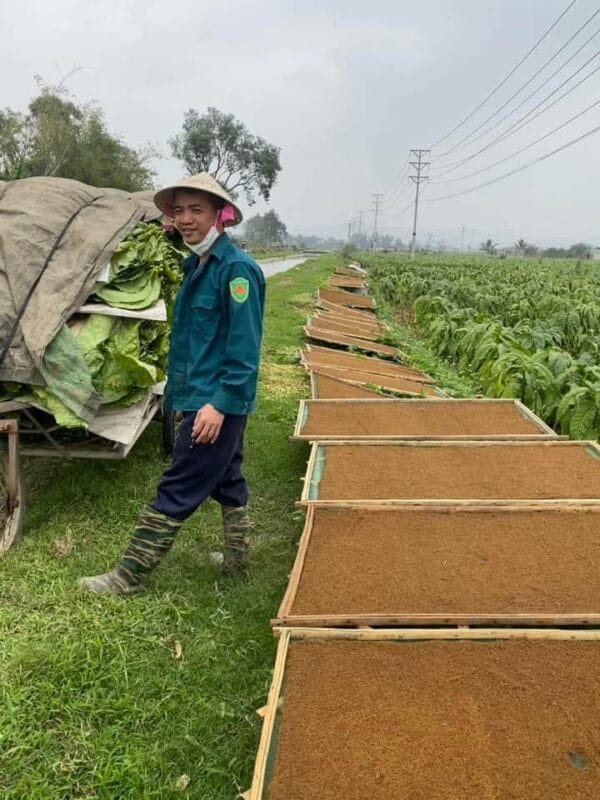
<point>193,215</point>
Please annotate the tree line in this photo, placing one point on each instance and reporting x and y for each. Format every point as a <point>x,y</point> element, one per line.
<point>522,248</point>
<point>61,137</point>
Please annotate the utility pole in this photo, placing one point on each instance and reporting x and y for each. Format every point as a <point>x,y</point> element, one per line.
<point>462,239</point>
<point>351,228</point>
<point>376,205</point>
<point>360,219</point>
<point>419,166</point>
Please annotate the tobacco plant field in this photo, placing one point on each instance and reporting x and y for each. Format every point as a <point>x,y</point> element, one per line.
<point>522,328</point>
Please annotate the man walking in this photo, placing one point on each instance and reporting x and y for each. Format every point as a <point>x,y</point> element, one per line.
<point>211,384</point>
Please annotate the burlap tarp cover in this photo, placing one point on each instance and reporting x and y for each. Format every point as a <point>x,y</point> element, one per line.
<point>56,236</point>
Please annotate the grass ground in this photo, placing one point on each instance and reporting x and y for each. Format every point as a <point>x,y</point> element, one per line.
<point>155,696</point>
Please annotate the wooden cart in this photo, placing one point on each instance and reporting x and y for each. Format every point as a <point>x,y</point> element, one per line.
<point>25,434</point>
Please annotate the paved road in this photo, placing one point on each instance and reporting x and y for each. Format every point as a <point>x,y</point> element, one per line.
<point>273,267</point>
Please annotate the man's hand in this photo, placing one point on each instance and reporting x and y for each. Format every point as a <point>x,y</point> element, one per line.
<point>207,425</point>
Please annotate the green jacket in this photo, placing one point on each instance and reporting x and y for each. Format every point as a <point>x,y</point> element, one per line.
<point>216,332</point>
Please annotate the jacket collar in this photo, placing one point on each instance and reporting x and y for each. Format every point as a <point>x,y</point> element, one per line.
<point>217,251</point>
<point>220,246</point>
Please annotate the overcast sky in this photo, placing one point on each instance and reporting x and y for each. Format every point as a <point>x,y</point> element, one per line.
<point>344,88</point>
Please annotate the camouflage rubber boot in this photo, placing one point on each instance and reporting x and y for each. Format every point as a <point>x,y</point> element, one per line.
<point>233,560</point>
<point>152,537</point>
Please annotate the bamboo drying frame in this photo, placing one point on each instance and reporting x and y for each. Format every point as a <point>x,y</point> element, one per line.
<point>285,618</point>
<point>392,392</point>
<point>360,344</point>
<point>306,500</point>
<point>349,299</point>
<point>375,324</point>
<point>545,432</point>
<point>399,370</point>
<point>347,327</point>
<point>313,376</point>
<point>318,325</point>
<point>372,364</point>
<point>288,635</point>
<point>346,282</point>
<point>350,271</point>
<point>352,313</point>
<point>367,376</point>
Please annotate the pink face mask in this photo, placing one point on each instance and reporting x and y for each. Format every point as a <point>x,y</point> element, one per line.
<point>225,215</point>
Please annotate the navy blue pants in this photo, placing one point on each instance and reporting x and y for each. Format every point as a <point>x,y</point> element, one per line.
<point>199,471</point>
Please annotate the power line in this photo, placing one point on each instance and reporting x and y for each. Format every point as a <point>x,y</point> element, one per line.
<point>510,74</point>
<point>398,179</point>
<point>518,169</point>
<point>398,217</point>
<point>398,198</point>
<point>390,213</point>
<point>463,142</point>
<point>532,94</point>
<point>410,204</point>
<point>515,127</point>
<point>522,149</point>
<point>400,186</point>
<point>394,197</point>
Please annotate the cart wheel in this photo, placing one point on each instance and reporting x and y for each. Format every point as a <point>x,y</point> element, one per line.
<point>12,498</point>
<point>168,431</point>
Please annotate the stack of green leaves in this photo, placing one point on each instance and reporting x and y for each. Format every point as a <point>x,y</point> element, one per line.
<point>117,359</point>
<point>144,267</point>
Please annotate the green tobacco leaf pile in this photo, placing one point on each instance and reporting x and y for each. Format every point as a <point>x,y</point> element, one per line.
<point>100,360</point>
<point>144,267</point>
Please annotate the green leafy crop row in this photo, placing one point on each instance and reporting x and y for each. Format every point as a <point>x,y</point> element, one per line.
<point>525,329</point>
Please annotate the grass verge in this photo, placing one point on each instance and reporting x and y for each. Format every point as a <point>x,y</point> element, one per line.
<point>421,356</point>
<point>154,696</point>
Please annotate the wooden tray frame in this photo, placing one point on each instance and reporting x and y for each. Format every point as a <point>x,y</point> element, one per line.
<point>377,379</point>
<point>348,299</point>
<point>370,368</point>
<point>313,375</point>
<point>285,617</point>
<point>376,324</point>
<point>356,330</point>
<point>367,345</point>
<point>545,431</point>
<point>317,325</point>
<point>346,282</point>
<point>350,272</point>
<point>521,503</point>
<point>352,313</point>
<point>267,743</point>
<point>328,317</point>
<point>392,392</point>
